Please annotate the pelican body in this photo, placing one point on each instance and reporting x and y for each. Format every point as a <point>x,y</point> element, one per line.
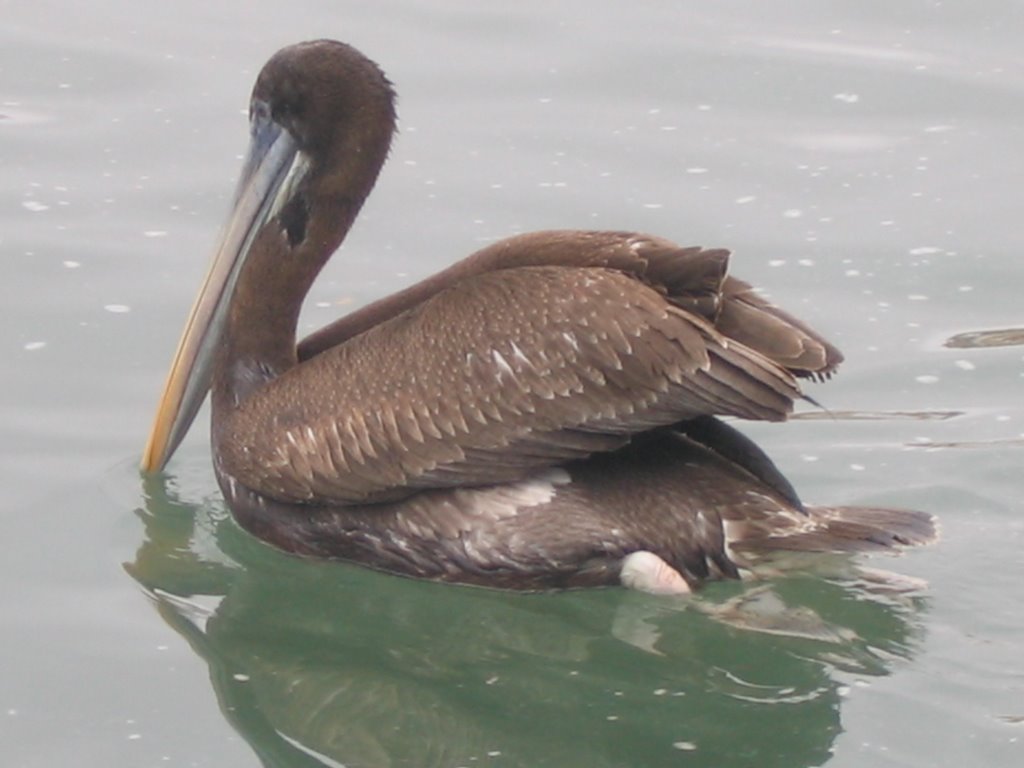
<point>541,414</point>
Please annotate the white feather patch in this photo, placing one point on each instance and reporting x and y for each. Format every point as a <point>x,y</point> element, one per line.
<point>502,363</point>
<point>646,572</point>
<point>506,501</point>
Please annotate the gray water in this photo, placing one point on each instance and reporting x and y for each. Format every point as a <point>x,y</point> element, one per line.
<point>862,159</point>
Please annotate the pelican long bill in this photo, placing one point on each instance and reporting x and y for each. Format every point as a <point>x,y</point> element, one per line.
<point>269,172</point>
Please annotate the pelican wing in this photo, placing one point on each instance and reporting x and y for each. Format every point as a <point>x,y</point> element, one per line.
<point>498,375</point>
<point>692,278</point>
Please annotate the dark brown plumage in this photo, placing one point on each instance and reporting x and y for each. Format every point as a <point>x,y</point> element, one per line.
<point>530,417</point>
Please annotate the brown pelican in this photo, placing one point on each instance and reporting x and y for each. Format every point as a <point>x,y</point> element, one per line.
<point>541,414</point>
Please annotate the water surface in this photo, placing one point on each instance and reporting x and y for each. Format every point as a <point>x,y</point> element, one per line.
<point>863,161</point>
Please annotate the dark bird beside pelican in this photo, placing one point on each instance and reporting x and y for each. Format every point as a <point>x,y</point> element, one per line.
<point>541,414</point>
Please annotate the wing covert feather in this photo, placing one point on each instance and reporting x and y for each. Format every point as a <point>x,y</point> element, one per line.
<point>488,380</point>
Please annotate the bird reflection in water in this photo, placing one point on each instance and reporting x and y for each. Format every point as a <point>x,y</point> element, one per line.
<point>326,664</point>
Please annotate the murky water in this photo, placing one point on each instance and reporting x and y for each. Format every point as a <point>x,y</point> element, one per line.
<point>863,161</point>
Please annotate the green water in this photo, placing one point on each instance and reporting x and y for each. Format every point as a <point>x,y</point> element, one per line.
<point>377,670</point>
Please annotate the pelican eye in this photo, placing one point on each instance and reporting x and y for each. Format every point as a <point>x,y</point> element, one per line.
<point>288,111</point>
